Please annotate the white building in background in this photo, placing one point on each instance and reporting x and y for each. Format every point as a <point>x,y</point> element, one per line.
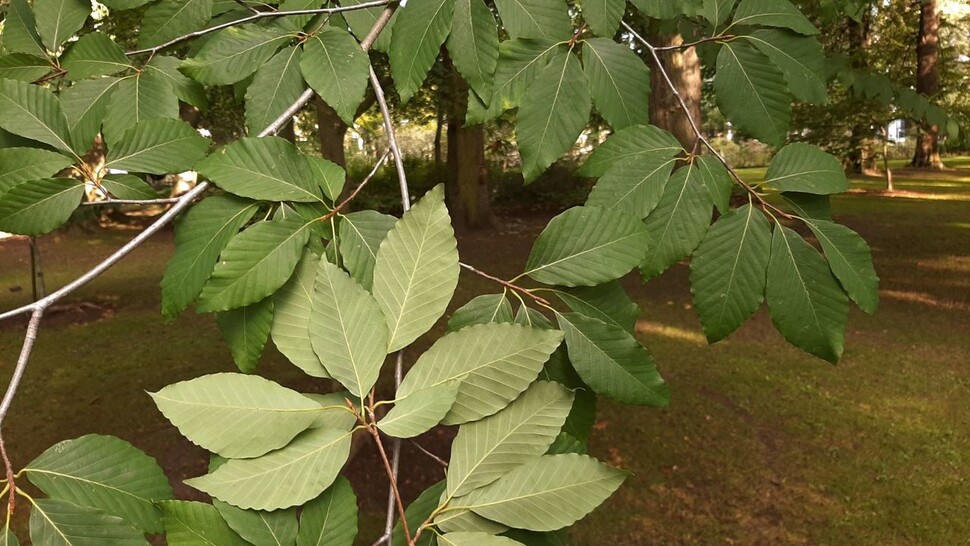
<point>897,131</point>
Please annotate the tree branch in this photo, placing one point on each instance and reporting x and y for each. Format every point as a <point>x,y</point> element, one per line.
<point>141,202</point>
<point>507,284</point>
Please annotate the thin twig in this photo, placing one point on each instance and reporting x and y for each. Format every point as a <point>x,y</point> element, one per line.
<point>336,210</point>
<point>688,45</point>
<point>392,477</point>
<point>697,130</point>
<point>140,202</point>
<point>255,17</point>
<point>243,3</point>
<point>436,458</point>
<point>507,284</point>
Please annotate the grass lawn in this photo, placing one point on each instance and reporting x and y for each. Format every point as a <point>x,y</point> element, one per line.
<point>762,444</point>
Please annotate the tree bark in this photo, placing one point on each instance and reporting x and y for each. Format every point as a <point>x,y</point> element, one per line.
<point>468,194</point>
<point>927,153</point>
<point>331,131</point>
<point>857,160</point>
<point>684,69</point>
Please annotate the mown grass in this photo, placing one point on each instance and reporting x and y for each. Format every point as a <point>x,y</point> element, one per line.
<point>762,444</point>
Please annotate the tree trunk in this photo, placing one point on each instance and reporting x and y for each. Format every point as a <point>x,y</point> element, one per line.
<point>684,69</point>
<point>859,39</point>
<point>928,83</point>
<point>438,127</point>
<point>332,131</point>
<point>468,193</point>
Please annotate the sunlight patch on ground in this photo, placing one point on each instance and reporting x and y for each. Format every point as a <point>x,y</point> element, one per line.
<point>903,194</point>
<point>925,299</point>
<point>672,332</point>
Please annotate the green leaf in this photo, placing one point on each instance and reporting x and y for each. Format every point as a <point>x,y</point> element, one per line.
<point>717,180</point>
<point>807,304</point>
<point>361,21</point>
<point>419,32</point>
<point>293,303</point>
<point>85,104</point>
<point>486,450</point>
<point>603,16</point>
<point>334,412</point>
<point>548,493</point>
<point>809,205</point>
<point>188,91</point>
<point>417,269</point>
<point>127,186</point>
<point>772,13</point>
<point>277,528</point>
<point>582,417</point>
<point>663,9</point>
<point>851,262</point>
<point>104,473</point>
<point>611,361</point>
<point>171,18</point>
<point>751,92</point>
<point>158,146</point>
<point>197,524</point>
<point>20,30</point>
<point>23,67</point>
<point>141,97</point>
<point>56,522</point>
<point>328,175</point>
<point>347,330</point>
<point>532,318</point>
<point>331,518</point>
<point>626,144</point>
<point>474,539</point>
<point>518,64</point>
<point>473,44</point>
<point>337,69</point>
<point>800,59</point>
<point>532,538</point>
<point>466,521</point>
<point>37,207</point>
<point>679,222</point>
<point>121,5</point>
<point>633,185</point>
<point>619,82</point>
<point>236,415</point>
<point>717,11</point>
<point>553,113</point>
<point>482,310</point>
<point>7,538</point>
<point>33,112</point>
<point>286,477</point>
<point>421,410</point>
<point>360,238</point>
<point>416,514</point>
<point>246,330</point>
<point>200,236</point>
<point>234,53</point>
<point>540,19</point>
<point>95,54</point>
<point>804,168</point>
<point>606,302</point>
<point>495,363</point>
<point>267,168</point>
<point>727,271</point>
<point>23,164</point>
<point>58,20</point>
<point>276,85</point>
<point>586,246</point>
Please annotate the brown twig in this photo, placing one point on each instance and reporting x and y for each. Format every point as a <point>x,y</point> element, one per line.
<point>392,477</point>
<point>343,204</point>
<point>436,458</point>
<point>688,45</point>
<point>11,484</point>
<point>507,284</point>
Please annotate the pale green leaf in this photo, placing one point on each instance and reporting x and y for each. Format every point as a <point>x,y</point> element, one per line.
<point>851,262</point>
<point>473,44</point>
<point>807,304</point>
<point>277,528</point>
<point>144,96</point>
<point>360,238</point>
<point>772,13</point>
<point>187,90</point>
<point>611,361</point>
<point>347,330</point>
<point>328,175</point>
<point>548,493</point>
<point>717,11</point>
<point>416,271</point>
<point>23,164</point>
<point>361,21</point>
<point>267,168</point>
<point>752,93</point>
<point>276,85</point>
<point>334,412</point>
<point>586,246</point>
<point>295,23</point>
<point>234,53</point>
<point>619,82</point>
<point>420,410</point>
<point>418,34</point>
<point>33,112</point>
<point>104,473</point>
<point>679,222</point>
<point>518,64</point>
<point>37,207</point>
<point>85,104</point>
<point>246,330</point>
<point>95,54</point>
<point>624,145</point>
<point>127,186</point>
<point>200,236</point>
<point>727,271</point>
<point>801,60</point>
<point>196,524</point>
<point>23,67</point>
<point>58,20</point>
<point>540,19</point>
<point>171,18</point>
<point>553,112</point>
<point>7,538</point>
<point>466,521</point>
<point>495,363</point>
<point>283,478</point>
<point>486,450</point>
<point>717,180</point>
<point>527,316</point>
<point>805,168</point>
<point>607,302</point>
<point>603,16</point>
<point>55,522</point>
<point>236,415</point>
<point>291,317</point>
<point>331,518</point>
<point>337,69</point>
<point>158,146</point>
<point>20,30</point>
<point>482,310</point>
<point>465,538</point>
<point>633,185</point>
